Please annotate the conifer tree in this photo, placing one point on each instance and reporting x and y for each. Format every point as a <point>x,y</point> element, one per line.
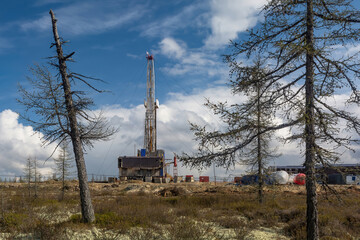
<point>307,47</point>
<point>64,164</point>
<point>248,118</point>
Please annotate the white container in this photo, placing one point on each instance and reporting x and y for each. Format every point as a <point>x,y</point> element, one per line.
<point>291,178</point>
<point>353,179</point>
<point>280,177</point>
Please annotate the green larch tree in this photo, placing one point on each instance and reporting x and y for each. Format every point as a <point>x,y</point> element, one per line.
<point>307,46</point>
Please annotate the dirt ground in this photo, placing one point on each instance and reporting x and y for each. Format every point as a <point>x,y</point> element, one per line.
<point>187,188</point>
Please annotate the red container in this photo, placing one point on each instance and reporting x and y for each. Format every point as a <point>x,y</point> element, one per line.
<point>237,179</point>
<point>300,179</point>
<point>204,179</point>
<point>189,178</point>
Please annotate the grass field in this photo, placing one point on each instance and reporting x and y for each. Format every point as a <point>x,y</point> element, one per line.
<point>174,211</point>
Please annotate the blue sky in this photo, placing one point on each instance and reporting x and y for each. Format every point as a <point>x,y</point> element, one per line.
<point>110,39</point>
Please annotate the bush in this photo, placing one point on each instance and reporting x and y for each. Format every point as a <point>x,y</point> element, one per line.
<point>75,218</point>
<point>12,220</point>
<point>189,229</point>
<point>107,219</point>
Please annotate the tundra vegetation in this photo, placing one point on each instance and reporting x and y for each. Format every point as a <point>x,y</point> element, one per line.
<point>303,44</point>
<point>174,211</point>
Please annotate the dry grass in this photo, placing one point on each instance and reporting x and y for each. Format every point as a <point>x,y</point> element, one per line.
<point>206,215</point>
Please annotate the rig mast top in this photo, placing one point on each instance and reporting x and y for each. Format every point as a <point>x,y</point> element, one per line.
<point>150,105</point>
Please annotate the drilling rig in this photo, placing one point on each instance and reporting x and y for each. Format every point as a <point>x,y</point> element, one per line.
<point>150,105</point>
<point>150,161</point>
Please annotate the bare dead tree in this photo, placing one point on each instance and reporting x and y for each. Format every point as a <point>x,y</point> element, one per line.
<point>305,46</point>
<point>64,115</point>
<point>35,167</point>
<point>29,173</point>
<point>64,163</point>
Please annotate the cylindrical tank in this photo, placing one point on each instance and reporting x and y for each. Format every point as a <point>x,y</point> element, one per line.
<point>291,178</point>
<point>300,179</point>
<point>280,177</point>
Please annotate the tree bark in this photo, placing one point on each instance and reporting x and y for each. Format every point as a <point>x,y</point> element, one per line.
<point>311,197</point>
<point>259,156</point>
<point>63,175</point>
<point>35,178</point>
<point>86,205</point>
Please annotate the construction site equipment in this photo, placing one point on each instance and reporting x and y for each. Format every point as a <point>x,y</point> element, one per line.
<point>300,179</point>
<point>280,177</point>
<point>204,179</point>
<point>178,179</point>
<point>175,170</point>
<point>150,105</point>
<point>150,161</point>
<point>189,178</point>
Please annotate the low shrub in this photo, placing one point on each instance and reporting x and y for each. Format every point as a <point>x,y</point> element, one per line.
<point>107,219</point>
<point>171,200</point>
<point>189,229</point>
<point>12,220</point>
<point>75,218</point>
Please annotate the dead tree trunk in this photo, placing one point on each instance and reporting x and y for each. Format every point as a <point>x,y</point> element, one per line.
<point>86,205</point>
<point>35,176</point>
<point>311,198</point>
<point>259,156</point>
<point>63,177</point>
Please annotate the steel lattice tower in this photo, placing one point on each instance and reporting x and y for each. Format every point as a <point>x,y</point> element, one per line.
<point>150,105</point>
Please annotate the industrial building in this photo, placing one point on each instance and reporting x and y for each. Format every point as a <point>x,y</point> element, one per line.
<point>150,161</point>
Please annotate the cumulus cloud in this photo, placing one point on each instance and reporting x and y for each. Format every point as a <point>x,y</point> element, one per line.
<point>174,133</point>
<point>19,142</point>
<point>172,48</point>
<point>230,17</point>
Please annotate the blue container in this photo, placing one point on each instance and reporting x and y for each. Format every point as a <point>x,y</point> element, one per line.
<point>249,179</point>
<point>143,152</point>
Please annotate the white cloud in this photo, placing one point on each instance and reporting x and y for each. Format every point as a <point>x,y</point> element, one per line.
<point>174,133</point>
<point>19,142</point>
<point>340,51</point>
<point>230,17</point>
<point>87,18</point>
<point>195,61</point>
<point>165,27</point>
<point>172,48</point>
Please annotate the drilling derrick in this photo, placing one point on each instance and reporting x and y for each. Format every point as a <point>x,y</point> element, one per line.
<point>149,164</point>
<point>150,105</point>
